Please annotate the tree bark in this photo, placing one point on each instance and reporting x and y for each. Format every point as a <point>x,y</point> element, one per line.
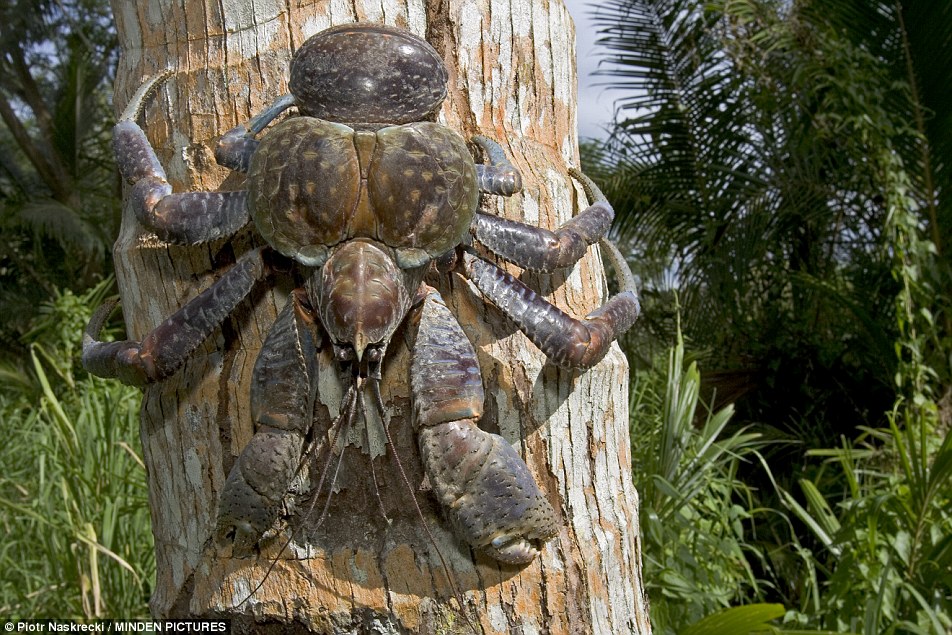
<point>370,567</point>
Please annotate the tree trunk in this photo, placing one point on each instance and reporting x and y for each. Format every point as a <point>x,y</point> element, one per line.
<point>370,566</point>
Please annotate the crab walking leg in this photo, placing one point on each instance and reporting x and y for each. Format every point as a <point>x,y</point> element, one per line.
<point>539,249</point>
<point>236,147</point>
<point>567,341</point>
<point>186,219</point>
<point>282,394</point>
<point>499,177</point>
<point>482,483</point>
<point>165,349</point>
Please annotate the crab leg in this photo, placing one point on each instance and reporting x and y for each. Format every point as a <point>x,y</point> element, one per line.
<point>483,485</point>
<point>539,249</point>
<point>165,349</point>
<point>187,219</point>
<point>567,341</point>
<point>236,147</point>
<point>282,403</point>
<point>499,177</point>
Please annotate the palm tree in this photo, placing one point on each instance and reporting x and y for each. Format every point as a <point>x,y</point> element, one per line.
<point>782,164</point>
<point>747,153</point>
<point>58,196</point>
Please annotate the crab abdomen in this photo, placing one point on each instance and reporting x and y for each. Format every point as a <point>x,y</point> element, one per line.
<point>410,187</point>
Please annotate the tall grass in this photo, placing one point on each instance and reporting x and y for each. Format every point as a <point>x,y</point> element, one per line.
<point>696,513</point>
<point>73,498</point>
<point>885,534</point>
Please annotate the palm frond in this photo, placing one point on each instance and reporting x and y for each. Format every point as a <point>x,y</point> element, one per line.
<point>57,221</point>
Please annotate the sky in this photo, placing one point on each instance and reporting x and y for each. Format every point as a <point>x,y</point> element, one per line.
<point>594,102</point>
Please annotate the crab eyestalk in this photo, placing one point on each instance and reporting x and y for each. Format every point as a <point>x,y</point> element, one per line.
<point>362,296</point>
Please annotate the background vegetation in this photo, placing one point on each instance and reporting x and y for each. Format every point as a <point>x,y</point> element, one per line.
<point>783,167</point>
<point>781,175</point>
<point>73,506</point>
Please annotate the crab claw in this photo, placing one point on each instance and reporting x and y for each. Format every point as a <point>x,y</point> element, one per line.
<point>511,549</point>
<point>487,491</point>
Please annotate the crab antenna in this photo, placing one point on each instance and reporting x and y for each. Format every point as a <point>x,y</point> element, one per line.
<point>347,413</point>
<point>134,107</point>
<point>375,388</point>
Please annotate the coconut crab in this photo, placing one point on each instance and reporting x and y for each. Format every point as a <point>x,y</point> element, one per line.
<point>365,194</point>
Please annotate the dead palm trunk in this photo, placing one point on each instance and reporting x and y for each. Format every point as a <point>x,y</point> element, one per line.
<point>370,565</point>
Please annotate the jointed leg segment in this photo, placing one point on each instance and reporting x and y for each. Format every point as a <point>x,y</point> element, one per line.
<point>165,349</point>
<point>238,145</point>
<point>482,483</point>
<point>539,249</point>
<point>282,409</point>
<point>191,217</point>
<point>498,177</point>
<point>569,342</point>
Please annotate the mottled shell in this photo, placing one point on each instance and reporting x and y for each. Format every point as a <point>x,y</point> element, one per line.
<point>366,74</point>
<point>412,188</point>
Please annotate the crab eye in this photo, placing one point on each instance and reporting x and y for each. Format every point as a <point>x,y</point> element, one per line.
<point>344,353</point>
<point>374,355</point>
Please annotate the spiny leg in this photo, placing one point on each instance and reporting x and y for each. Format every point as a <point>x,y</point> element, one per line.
<point>282,405</point>
<point>499,176</point>
<point>185,219</point>
<point>481,482</point>
<point>567,341</point>
<point>165,349</point>
<point>539,249</point>
<point>236,147</point>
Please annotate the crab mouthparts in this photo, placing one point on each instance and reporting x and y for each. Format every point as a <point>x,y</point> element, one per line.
<point>361,297</point>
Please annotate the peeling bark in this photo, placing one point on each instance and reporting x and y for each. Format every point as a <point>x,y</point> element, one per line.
<point>512,77</point>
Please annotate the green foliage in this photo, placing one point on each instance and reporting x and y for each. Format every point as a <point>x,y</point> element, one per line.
<point>738,620</point>
<point>75,514</point>
<point>59,199</point>
<point>790,156</point>
<point>695,512</point>
<point>887,540</point>
<point>748,156</point>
